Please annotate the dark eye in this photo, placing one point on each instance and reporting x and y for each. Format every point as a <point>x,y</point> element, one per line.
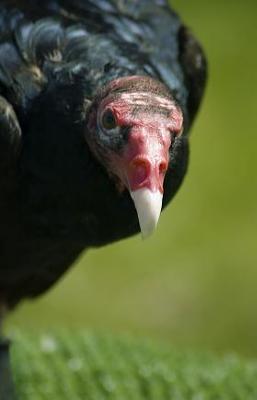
<point>108,120</point>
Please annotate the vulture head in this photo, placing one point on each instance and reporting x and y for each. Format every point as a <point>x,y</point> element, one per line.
<point>131,125</point>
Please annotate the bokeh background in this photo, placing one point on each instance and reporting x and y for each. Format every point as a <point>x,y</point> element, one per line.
<point>194,283</point>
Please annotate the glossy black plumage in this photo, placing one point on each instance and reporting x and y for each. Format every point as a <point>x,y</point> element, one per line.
<point>56,200</point>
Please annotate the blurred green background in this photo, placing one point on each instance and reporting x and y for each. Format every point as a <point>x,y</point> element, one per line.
<point>194,283</point>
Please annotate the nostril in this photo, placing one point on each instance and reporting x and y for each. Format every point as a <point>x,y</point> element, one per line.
<point>147,172</point>
<point>163,167</point>
<point>140,170</point>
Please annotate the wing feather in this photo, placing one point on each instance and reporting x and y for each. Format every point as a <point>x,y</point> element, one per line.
<point>10,136</point>
<point>169,51</point>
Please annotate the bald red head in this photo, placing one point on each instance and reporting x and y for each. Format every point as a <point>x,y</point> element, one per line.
<point>146,108</point>
<point>135,122</point>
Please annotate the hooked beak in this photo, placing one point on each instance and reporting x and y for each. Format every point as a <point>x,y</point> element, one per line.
<point>145,170</point>
<point>148,205</point>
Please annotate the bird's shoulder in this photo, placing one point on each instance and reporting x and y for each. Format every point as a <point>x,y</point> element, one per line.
<point>10,145</point>
<point>23,49</point>
<point>110,37</point>
<point>152,35</point>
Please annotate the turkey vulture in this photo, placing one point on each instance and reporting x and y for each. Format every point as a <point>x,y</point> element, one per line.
<point>96,101</point>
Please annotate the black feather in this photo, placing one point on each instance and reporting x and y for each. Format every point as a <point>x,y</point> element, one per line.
<point>10,137</point>
<point>55,56</point>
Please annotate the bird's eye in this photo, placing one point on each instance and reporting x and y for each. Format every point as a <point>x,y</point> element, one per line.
<point>108,120</point>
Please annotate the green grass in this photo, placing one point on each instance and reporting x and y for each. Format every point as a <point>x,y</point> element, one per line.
<point>76,366</point>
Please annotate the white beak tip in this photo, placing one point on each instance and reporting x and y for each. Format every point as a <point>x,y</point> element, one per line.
<point>148,205</point>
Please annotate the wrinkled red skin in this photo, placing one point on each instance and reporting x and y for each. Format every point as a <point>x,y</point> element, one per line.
<point>146,107</point>
<point>145,159</point>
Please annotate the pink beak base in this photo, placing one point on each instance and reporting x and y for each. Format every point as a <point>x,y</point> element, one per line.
<point>146,160</point>
<point>143,166</point>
